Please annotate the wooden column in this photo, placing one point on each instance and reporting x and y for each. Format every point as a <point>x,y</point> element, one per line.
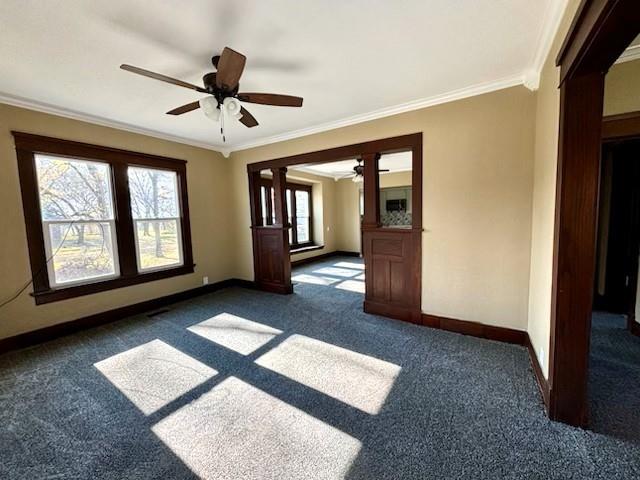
<point>254,199</point>
<point>271,262</point>
<point>279,196</point>
<point>371,217</point>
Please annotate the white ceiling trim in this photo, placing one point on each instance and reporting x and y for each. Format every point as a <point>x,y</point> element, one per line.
<point>104,122</point>
<point>389,111</point>
<point>631,53</point>
<point>550,25</point>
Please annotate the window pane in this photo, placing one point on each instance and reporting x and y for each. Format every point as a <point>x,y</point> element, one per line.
<point>273,203</point>
<point>302,216</point>
<point>263,204</point>
<point>158,243</point>
<point>302,227</point>
<point>154,193</point>
<point>289,218</point>
<point>302,203</point>
<point>81,251</point>
<point>74,189</point>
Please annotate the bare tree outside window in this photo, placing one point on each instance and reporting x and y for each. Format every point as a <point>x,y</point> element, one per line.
<point>78,219</point>
<point>155,210</point>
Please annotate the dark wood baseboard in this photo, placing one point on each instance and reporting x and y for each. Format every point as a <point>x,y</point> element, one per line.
<point>337,253</point>
<point>500,334</point>
<point>67,328</point>
<point>542,382</point>
<point>474,329</point>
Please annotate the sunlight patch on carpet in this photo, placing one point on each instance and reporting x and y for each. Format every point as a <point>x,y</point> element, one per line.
<point>314,279</point>
<point>351,285</point>
<point>237,333</point>
<point>154,374</point>
<point>353,378</point>
<point>238,431</point>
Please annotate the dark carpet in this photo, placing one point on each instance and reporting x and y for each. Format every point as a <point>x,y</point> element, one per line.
<point>614,378</point>
<point>242,384</point>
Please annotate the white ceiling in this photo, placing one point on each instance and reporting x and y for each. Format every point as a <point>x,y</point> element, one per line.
<point>350,60</point>
<point>394,162</point>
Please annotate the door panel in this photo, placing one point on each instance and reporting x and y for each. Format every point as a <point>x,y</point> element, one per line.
<point>392,273</point>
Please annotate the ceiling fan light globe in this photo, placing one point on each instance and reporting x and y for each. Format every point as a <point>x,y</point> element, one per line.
<point>210,108</point>
<point>357,179</point>
<point>232,106</point>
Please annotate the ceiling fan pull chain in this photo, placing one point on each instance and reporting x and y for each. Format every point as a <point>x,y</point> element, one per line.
<point>222,123</point>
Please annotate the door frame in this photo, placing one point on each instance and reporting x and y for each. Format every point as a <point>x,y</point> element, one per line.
<point>600,32</point>
<point>365,150</point>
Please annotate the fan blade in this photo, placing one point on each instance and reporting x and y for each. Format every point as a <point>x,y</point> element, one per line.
<point>230,68</point>
<point>162,78</point>
<point>247,119</point>
<point>271,99</point>
<point>383,170</point>
<point>184,108</point>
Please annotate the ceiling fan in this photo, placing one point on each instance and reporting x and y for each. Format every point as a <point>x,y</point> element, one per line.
<point>358,172</point>
<point>222,87</point>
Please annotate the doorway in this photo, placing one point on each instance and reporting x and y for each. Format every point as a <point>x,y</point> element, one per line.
<point>392,255</point>
<point>599,34</point>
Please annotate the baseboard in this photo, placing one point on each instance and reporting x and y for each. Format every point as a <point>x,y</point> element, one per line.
<point>67,328</point>
<point>542,382</point>
<point>475,329</point>
<point>336,253</point>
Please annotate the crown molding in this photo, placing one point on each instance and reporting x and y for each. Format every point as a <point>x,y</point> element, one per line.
<point>631,53</point>
<point>550,25</point>
<point>21,102</point>
<point>454,95</point>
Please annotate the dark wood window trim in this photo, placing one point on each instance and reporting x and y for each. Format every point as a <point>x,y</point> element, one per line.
<point>295,246</point>
<point>27,145</point>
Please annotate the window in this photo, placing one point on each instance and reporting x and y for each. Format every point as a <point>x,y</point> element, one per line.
<point>299,211</point>
<point>78,220</point>
<point>99,218</point>
<point>154,208</point>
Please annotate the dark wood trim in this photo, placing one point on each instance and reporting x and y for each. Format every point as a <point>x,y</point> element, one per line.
<point>371,217</point>
<point>397,290</point>
<point>475,329</point>
<point>621,127</point>
<point>55,295</point>
<point>385,145</point>
<point>543,385</point>
<point>267,183</point>
<point>324,256</point>
<point>67,328</point>
<point>601,30</point>
<point>68,148</point>
<point>28,145</point>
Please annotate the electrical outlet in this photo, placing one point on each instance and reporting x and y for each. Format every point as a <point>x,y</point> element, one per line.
<point>205,280</point>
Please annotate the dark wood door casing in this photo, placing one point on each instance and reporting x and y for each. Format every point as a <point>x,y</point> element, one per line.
<point>393,256</point>
<point>600,32</point>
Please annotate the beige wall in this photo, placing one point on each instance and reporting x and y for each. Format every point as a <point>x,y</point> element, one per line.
<point>622,88</point>
<point>544,192</point>
<point>208,176</point>
<point>478,180</point>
